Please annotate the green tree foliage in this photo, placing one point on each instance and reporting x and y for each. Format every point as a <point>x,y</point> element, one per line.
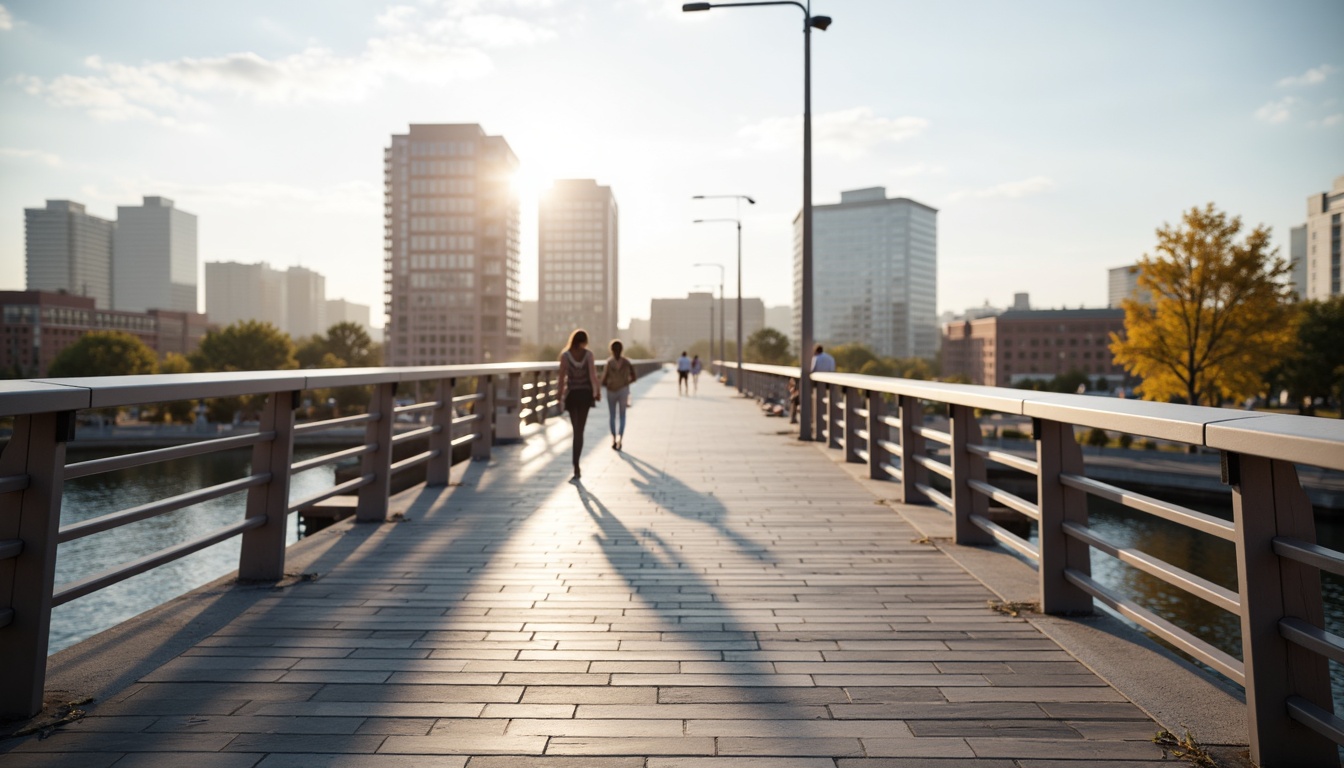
<point>768,347</point>
<point>850,358</point>
<point>1097,438</point>
<point>1219,319</point>
<point>105,353</point>
<point>345,345</point>
<point>247,345</point>
<point>1316,367</point>
<point>180,411</point>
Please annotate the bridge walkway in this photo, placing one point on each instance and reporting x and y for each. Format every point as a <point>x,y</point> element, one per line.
<point>716,595</point>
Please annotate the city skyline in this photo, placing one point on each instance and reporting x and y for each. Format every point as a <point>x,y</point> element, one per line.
<point>1053,141</point>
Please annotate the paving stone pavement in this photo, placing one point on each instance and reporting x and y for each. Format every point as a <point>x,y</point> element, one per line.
<point>715,596</point>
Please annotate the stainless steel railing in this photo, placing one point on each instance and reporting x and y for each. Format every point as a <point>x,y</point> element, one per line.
<point>1285,647</point>
<point>500,398</point>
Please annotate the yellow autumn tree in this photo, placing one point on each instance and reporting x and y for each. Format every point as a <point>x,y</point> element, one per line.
<point>1219,316</point>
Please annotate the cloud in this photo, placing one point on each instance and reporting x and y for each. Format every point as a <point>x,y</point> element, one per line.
<point>6,19</point>
<point>1329,121</point>
<point>351,197</point>
<point>1010,190</point>
<point>426,44</point>
<point>1276,112</point>
<point>35,155</point>
<point>1313,76</point>
<point>920,169</point>
<point>848,134</point>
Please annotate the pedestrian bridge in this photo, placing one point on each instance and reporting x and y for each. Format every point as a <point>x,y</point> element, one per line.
<point>717,594</point>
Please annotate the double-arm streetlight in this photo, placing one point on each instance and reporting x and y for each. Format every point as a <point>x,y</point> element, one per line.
<point>738,222</point>
<point>819,22</point>
<point>722,351</point>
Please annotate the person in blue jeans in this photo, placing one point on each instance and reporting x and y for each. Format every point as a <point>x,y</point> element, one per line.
<point>617,376</point>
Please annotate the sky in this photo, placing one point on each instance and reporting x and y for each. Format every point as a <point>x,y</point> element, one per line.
<point>1053,136</point>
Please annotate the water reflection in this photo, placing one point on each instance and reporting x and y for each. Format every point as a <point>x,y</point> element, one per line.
<point>97,495</point>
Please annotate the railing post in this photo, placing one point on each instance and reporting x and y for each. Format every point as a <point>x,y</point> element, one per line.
<point>485,425</point>
<point>438,468</point>
<point>967,466</point>
<point>1268,502</point>
<point>1057,452</point>
<point>819,412</point>
<point>32,516</point>
<point>262,555</point>
<point>853,403</point>
<point>912,445</point>
<point>837,419</point>
<point>373,497</point>
<point>878,432</point>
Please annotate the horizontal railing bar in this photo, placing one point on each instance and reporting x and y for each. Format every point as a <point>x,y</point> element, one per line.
<point>1317,719</point>
<point>1177,577</point>
<point>89,584</point>
<point>6,617</point>
<point>1173,512</point>
<point>307,464</point>
<point>1012,501</point>
<point>937,467</point>
<point>129,460</point>
<point>411,461</point>
<point>891,421</point>
<point>335,490</point>
<point>415,433</point>
<point>938,436</point>
<point>890,447</point>
<point>10,548</point>
<point>155,508</point>
<point>1305,552</point>
<point>14,483</point>
<point>468,398</point>
<point>1227,665</point>
<point>1312,637</point>
<point>425,406</point>
<point>341,421</point>
<point>1005,458</point>
<point>862,454</point>
<point>893,472</point>
<point>937,496</point>
<point>862,434</point>
<point>466,419</point>
<point>463,440</point>
<point>862,413</point>
<point>1007,538</point>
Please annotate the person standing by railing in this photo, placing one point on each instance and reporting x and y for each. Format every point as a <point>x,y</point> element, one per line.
<point>578,387</point>
<point>617,376</point>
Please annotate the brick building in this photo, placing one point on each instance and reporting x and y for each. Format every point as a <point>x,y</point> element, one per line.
<point>1034,344</point>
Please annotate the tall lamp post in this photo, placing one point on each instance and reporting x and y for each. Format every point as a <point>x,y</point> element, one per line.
<point>738,222</point>
<point>722,349</point>
<point>809,21</point>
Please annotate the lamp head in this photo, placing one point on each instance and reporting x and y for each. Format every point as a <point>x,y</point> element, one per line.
<point>698,221</point>
<point>688,7</point>
<point>820,22</point>
<point>749,200</point>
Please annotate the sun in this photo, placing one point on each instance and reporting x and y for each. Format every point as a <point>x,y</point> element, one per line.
<point>527,184</point>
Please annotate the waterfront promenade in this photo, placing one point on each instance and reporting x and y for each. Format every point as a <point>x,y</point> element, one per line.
<point>717,595</point>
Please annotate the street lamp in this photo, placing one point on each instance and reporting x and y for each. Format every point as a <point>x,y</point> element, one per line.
<point>722,350</point>
<point>738,222</point>
<point>710,286</point>
<point>809,21</point>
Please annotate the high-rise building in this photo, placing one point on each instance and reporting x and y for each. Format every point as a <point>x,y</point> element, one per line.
<point>874,274</point>
<point>235,292</point>
<point>154,257</point>
<point>1297,257</point>
<point>1123,283</point>
<point>305,302</point>
<point>451,247</point>
<point>69,250</point>
<point>577,260</point>
<point>527,310</point>
<point>1323,242</point>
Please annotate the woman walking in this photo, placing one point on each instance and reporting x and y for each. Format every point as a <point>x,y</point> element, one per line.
<point>696,368</point>
<point>578,387</point>
<point>617,377</point>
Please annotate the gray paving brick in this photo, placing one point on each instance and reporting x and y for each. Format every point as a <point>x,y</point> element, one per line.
<point>62,759</point>
<point>464,745</point>
<point>363,761</point>
<point>635,745</point>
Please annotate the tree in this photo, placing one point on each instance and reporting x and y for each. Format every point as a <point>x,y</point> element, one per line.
<point>179,411</point>
<point>850,358</point>
<point>105,353</point>
<point>1316,367</point>
<point>768,346</point>
<point>1218,318</point>
<point>247,345</point>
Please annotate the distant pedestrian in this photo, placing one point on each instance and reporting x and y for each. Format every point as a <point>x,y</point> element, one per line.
<point>683,374</point>
<point>822,362</point>
<point>617,376</point>
<point>697,368</point>
<point>578,387</point>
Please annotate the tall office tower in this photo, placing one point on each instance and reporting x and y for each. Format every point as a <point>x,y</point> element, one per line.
<point>69,250</point>
<point>235,292</point>
<point>1297,257</point>
<point>577,260</point>
<point>154,257</point>
<point>451,247</point>
<point>874,274</point>
<point>1123,283</point>
<point>1323,242</point>
<point>305,302</point>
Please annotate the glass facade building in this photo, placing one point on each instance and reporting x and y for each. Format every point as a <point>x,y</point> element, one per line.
<point>578,262</point>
